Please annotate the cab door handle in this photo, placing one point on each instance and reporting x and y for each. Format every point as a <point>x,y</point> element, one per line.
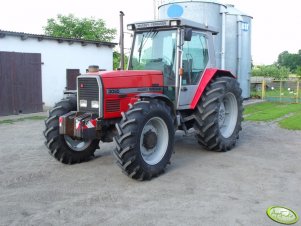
<point>184,89</point>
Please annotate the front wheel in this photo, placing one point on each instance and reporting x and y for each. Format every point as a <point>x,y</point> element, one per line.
<point>218,115</point>
<point>145,139</point>
<point>62,147</point>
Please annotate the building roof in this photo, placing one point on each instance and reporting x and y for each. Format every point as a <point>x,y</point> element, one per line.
<point>25,36</point>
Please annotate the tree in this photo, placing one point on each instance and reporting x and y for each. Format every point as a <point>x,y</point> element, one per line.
<point>298,71</point>
<point>290,60</point>
<point>116,60</point>
<point>79,28</point>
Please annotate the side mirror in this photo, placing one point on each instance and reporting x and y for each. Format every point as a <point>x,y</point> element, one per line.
<point>187,34</point>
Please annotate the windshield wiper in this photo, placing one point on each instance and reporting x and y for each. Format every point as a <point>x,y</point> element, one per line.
<point>144,40</point>
<point>140,48</point>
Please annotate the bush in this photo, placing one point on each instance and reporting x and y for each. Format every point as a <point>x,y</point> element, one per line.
<point>271,71</point>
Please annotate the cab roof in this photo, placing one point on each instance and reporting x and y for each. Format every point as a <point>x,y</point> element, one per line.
<point>172,22</point>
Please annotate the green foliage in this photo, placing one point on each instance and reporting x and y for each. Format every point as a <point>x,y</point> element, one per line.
<point>298,71</point>
<point>116,60</point>
<point>79,28</point>
<point>290,60</point>
<point>270,71</point>
<point>287,63</point>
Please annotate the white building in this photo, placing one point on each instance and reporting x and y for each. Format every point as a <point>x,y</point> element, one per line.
<point>57,56</point>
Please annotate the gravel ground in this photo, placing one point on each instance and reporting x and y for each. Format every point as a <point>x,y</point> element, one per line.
<point>198,188</point>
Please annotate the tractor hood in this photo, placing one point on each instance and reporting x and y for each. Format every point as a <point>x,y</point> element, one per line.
<point>114,74</point>
<point>130,79</point>
<point>118,88</point>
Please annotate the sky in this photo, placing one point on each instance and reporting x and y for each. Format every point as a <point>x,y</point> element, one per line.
<point>276,25</point>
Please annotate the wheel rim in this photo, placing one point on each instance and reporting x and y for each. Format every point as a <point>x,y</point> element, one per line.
<point>77,145</point>
<point>154,140</point>
<point>227,117</point>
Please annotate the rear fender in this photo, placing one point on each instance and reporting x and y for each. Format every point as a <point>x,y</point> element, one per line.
<point>208,75</point>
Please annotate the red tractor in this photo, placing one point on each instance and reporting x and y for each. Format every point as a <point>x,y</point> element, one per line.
<point>171,84</point>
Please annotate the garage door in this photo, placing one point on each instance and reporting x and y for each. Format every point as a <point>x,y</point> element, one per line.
<point>20,83</point>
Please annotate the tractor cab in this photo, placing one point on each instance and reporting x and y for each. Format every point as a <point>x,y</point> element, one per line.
<point>180,49</point>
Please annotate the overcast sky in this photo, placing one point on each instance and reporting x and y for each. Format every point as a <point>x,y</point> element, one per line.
<point>275,27</point>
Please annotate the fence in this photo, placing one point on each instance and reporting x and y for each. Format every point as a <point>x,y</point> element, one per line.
<point>277,91</point>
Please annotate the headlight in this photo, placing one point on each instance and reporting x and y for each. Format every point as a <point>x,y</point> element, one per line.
<point>130,27</point>
<point>174,23</point>
<point>94,104</point>
<point>83,103</point>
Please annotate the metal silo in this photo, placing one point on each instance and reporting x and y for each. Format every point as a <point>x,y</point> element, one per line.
<point>232,43</point>
<point>238,47</point>
<point>205,12</point>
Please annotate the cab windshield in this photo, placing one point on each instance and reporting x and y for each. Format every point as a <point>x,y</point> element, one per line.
<point>155,50</point>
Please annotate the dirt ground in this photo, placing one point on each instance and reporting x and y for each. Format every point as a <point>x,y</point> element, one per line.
<point>198,188</point>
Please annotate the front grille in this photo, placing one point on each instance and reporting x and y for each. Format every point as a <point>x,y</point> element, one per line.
<point>89,89</point>
<point>113,106</point>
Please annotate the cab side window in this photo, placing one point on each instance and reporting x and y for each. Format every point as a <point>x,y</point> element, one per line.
<point>194,59</point>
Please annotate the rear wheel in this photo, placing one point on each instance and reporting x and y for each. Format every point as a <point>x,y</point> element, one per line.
<point>145,139</point>
<point>218,115</point>
<point>62,147</point>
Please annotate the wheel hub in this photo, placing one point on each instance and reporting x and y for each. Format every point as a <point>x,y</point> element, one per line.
<point>77,145</point>
<point>154,140</point>
<point>228,115</point>
<point>150,140</point>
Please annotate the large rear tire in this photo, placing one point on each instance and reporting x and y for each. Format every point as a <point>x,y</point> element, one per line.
<point>145,139</point>
<point>218,115</point>
<point>62,147</point>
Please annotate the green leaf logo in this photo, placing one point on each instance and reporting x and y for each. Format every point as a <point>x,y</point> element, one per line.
<point>282,215</point>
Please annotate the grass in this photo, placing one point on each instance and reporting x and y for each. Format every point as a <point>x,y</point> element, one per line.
<point>11,121</point>
<point>253,108</point>
<point>292,123</point>
<point>268,111</point>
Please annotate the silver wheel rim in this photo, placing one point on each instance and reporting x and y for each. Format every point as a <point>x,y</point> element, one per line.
<point>77,145</point>
<point>227,117</point>
<point>155,154</point>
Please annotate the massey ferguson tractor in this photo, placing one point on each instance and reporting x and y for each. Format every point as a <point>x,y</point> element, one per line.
<point>172,83</point>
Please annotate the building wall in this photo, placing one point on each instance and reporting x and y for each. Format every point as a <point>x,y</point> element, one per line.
<point>56,58</point>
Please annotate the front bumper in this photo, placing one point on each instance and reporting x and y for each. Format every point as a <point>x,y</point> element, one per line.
<point>80,125</point>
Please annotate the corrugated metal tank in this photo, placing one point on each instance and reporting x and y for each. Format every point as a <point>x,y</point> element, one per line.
<point>233,42</point>
<point>238,47</point>
<point>204,12</point>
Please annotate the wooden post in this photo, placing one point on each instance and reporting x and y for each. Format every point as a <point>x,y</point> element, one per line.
<point>280,91</point>
<point>263,89</point>
<point>298,90</point>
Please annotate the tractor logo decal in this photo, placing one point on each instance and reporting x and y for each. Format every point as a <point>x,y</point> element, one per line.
<point>135,90</point>
<point>282,215</point>
<point>113,91</point>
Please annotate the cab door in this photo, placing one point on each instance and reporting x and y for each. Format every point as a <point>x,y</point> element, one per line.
<point>195,58</point>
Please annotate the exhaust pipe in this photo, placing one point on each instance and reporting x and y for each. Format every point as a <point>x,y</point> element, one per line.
<point>121,41</point>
